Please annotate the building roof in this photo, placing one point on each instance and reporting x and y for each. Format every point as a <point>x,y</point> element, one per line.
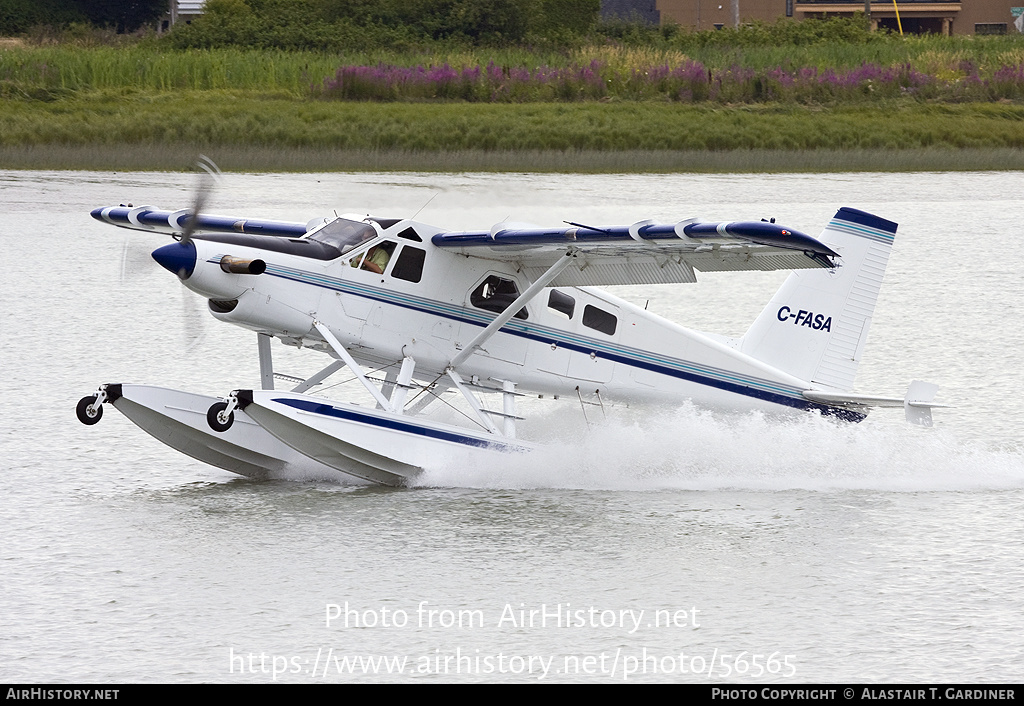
<point>190,7</point>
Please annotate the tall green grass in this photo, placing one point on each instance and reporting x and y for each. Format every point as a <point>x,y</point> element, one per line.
<point>146,67</point>
<point>142,68</point>
<point>49,72</point>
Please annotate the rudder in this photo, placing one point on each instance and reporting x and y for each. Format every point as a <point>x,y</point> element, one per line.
<point>816,325</point>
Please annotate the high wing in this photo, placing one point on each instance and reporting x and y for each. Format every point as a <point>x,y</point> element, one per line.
<point>147,218</point>
<point>642,253</point>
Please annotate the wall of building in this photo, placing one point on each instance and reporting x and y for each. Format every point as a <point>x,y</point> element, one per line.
<point>705,14</point>
<point>984,11</point>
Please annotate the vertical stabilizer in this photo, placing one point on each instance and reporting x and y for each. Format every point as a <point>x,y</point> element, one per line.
<point>816,325</point>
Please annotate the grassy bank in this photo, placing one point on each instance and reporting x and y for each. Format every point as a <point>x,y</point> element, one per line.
<point>143,107</point>
<point>276,132</point>
<point>224,118</point>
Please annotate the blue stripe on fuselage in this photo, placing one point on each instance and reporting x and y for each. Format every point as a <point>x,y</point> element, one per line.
<point>775,393</point>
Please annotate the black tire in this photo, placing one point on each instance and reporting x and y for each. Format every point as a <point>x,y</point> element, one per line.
<point>211,417</point>
<point>82,410</point>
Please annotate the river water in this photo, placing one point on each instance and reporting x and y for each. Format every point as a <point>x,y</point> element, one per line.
<point>668,546</point>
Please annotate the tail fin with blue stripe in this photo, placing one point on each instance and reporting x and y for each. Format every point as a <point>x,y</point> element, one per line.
<point>816,325</point>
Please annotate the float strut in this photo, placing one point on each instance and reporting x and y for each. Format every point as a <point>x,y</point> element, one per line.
<point>473,402</point>
<point>266,361</point>
<point>403,386</point>
<point>508,389</point>
<point>335,344</point>
<point>319,377</point>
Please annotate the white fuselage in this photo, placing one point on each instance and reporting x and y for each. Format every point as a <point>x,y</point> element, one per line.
<point>580,339</point>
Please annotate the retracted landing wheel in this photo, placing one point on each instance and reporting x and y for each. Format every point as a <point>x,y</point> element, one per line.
<point>88,410</point>
<point>218,416</point>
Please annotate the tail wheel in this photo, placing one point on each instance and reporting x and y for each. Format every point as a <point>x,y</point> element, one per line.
<point>217,420</point>
<point>88,411</point>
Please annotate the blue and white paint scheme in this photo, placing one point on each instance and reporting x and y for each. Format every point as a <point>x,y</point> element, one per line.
<point>504,312</point>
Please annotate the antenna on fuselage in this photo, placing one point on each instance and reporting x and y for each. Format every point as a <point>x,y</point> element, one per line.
<point>424,206</point>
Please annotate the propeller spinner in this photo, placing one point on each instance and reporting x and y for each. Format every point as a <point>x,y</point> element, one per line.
<point>180,257</point>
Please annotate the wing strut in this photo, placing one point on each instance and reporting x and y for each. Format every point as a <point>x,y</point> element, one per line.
<point>510,311</point>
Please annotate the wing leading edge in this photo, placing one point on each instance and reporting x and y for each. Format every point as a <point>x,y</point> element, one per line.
<point>645,252</point>
<point>641,253</point>
<point>147,218</point>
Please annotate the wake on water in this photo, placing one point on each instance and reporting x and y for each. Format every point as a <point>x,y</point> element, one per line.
<point>693,449</point>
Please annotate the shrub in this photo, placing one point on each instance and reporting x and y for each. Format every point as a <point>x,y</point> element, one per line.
<point>19,16</point>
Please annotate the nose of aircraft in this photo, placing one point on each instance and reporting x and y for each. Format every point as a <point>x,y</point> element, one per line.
<point>179,258</point>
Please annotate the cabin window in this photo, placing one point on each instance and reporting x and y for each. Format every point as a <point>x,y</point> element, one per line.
<point>376,258</point>
<point>562,303</point>
<point>599,320</point>
<point>496,294</point>
<point>409,265</point>
<point>410,234</point>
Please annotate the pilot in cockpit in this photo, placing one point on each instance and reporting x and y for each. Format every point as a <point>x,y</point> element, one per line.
<point>377,257</point>
<point>348,235</point>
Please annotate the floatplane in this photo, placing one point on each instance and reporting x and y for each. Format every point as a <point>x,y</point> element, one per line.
<point>416,313</point>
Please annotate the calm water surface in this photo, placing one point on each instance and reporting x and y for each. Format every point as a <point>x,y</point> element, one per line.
<point>658,546</point>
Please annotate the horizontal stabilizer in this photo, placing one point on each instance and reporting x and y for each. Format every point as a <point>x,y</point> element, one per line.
<point>917,403</point>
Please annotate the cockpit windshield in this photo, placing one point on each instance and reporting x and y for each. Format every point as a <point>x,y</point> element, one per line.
<point>344,234</point>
